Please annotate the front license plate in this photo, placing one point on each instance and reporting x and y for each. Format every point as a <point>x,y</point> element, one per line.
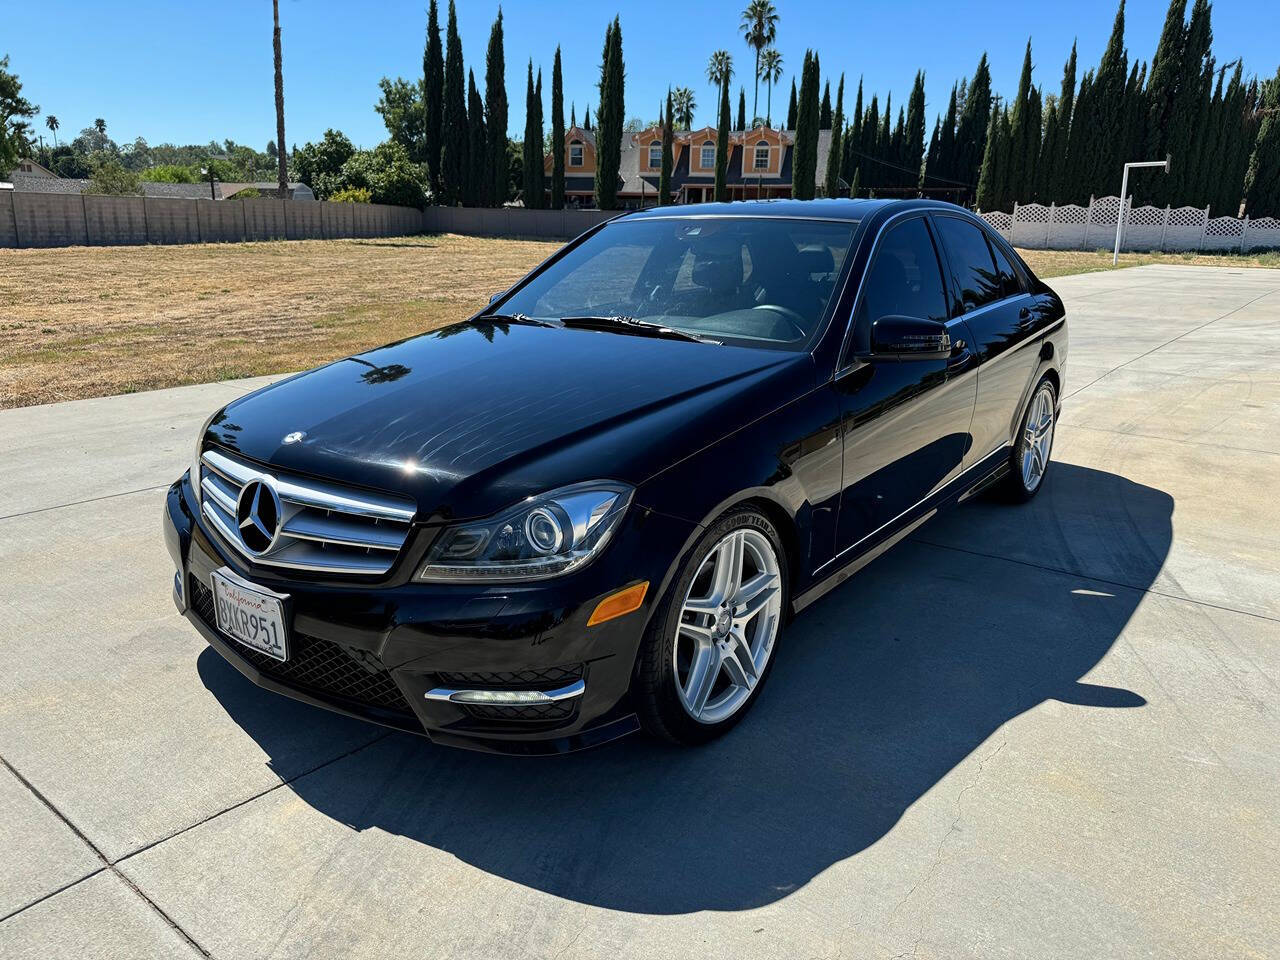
<point>251,616</point>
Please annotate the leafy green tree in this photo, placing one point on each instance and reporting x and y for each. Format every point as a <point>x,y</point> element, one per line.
<point>760,30</point>
<point>403,112</point>
<point>664,177</point>
<point>455,137</point>
<point>112,179</point>
<point>557,134</point>
<point>347,195</point>
<point>387,172</point>
<point>831,184</point>
<point>15,112</point>
<point>609,119</point>
<point>433,96</point>
<point>804,158</point>
<point>318,165</point>
<point>497,162</point>
<point>722,144</point>
<point>477,183</point>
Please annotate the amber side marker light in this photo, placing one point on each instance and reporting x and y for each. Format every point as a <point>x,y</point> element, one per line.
<point>619,604</point>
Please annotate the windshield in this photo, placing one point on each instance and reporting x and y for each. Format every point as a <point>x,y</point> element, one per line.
<point>761,280</point>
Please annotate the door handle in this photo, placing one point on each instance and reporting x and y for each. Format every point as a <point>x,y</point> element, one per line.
<point>1024,318</point>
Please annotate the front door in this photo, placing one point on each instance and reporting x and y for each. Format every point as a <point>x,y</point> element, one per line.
<point>905,423</point>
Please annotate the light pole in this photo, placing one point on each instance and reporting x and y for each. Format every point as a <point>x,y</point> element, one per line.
<point>209,172</point>
<point>1124,190</point>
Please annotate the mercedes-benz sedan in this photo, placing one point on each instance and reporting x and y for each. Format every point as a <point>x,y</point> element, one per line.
<point>594,506</point>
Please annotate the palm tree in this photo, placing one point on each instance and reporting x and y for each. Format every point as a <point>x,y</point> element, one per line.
<point>101,126</point>
<point>771,73</point>
<point>719,69</point>
<point>280,153</point>
<point>683,104</point>
<point>52,123</point>
<point>759,29</point>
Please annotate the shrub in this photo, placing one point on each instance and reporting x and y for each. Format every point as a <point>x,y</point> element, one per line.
<point>172,173</point>
<point>351,195</point>
<point>248,193</point>
<point>111,178</point>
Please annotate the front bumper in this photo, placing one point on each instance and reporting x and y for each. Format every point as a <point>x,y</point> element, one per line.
<point>383,651</point>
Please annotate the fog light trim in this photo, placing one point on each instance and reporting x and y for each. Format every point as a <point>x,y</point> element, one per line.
<point>514,698</point>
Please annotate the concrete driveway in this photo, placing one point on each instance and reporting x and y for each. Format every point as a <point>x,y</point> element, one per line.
<point>1039,732</point>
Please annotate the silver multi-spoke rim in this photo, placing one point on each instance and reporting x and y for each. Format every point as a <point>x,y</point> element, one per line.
<point>728,626</point>
<point>1037,438</point>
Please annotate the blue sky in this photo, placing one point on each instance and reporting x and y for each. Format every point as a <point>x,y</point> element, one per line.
<point>188,73</point>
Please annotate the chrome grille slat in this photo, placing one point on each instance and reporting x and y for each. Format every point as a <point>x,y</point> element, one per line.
<point>326,528</point>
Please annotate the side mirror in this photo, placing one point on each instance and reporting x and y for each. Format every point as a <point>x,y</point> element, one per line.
<point>910,338</point>
<point>495,296</point>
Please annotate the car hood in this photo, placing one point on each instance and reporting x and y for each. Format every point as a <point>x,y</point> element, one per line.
<point>478,415</point>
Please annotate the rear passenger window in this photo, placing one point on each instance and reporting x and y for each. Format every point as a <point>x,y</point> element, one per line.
<point>905,279</point>
<point>971,262</point>
<point>1010,285</point>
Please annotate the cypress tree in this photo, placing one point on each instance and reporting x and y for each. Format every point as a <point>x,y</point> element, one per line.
<point>1076,185</point>
<point>557,135</point>
<point>433,96</point>
<point>573,114</point>
<point>868,167</point>
<point>854,187</point>
<point>913,144</point>
<point>898,151</point>
<point>1262,182</point>
<point>1186,134</point>
<point>993,158</point>
<point>495,98</point>
<point>664,178</point>
<point>1045,157</point>
<point>824,111</point>
<point>832,184</point>
<point>792,114</point>
<point>722,143</point>
<point>852,142</point>
<point>943,165</point>
<point>974,125</point>
<point>586,117</point>
<point>533,144</point>
<point>1022,135</point>
<point>887,175</point>
<point>931,156</point>
<point>804,159</point>
<point>1054,158</point>
<point>742,109</point>
<point>455,137</point>
<point>475,179</point>
<point>609,119</point>
<point>1231,135</point>
<point>1106,135</point>
<point>1162,93</point>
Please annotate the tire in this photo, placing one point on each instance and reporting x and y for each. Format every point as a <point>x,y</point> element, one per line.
<point>1030,460</point>
<point>739,653</point>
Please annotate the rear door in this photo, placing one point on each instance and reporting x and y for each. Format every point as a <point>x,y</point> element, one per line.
<point>905,424</point>
<point>991,296</point>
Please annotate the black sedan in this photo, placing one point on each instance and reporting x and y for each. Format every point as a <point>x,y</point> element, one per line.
<point>594,506</point>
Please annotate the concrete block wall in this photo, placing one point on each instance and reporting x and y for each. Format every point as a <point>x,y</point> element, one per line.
<point>513,221</point>
<point>60,220</point>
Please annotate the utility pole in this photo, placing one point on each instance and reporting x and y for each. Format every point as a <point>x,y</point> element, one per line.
<point>1124,199</point>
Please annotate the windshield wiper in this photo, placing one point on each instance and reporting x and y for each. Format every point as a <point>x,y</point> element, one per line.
<point>642,328</point>
<point>518,318</point>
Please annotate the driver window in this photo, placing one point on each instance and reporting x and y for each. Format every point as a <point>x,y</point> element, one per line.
<point>904,280</point>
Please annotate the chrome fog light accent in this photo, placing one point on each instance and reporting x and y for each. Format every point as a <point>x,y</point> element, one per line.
<point>508,697</point>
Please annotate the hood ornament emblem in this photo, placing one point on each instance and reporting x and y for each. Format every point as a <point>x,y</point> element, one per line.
<point>294,437</point>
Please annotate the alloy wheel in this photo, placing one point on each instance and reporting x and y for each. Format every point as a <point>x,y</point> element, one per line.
<point>728,625</point>
<point>1037,438</point>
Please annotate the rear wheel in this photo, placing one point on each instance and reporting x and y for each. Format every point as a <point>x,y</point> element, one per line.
<point>1029,461</point>
<point>710,646</point>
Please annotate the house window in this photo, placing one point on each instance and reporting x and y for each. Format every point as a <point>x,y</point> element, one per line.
<point>575,153</point>
<point>762,155</point>
<point>655,154</point>
<point>708,154</point>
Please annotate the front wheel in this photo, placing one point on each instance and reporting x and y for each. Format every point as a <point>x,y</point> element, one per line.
<point>1029,461</point>
<point>710,646</point>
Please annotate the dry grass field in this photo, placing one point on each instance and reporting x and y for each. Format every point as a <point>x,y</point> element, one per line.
<point>92,321</point>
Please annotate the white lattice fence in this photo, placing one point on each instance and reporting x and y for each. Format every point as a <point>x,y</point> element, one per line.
<point>1073,227</point>
<point>1261,234</point>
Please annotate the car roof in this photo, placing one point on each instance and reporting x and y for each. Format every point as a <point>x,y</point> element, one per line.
<point>827,209</point>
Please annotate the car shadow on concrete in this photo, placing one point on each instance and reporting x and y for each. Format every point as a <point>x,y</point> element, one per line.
<point>878,692</point>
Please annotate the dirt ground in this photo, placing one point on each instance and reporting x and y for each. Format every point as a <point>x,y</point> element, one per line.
<point>93,321</point>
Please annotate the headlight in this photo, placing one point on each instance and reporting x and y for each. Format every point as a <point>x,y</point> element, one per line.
<point>195,458</point>
<point>542,537</point>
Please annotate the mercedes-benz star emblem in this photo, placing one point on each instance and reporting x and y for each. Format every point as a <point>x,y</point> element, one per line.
<point>295,436</point>
<point>259,514</point>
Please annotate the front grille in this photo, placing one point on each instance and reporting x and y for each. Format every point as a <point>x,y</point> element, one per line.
<point>316,666</point>
<point>544,678</point>
<point>317,526</point>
